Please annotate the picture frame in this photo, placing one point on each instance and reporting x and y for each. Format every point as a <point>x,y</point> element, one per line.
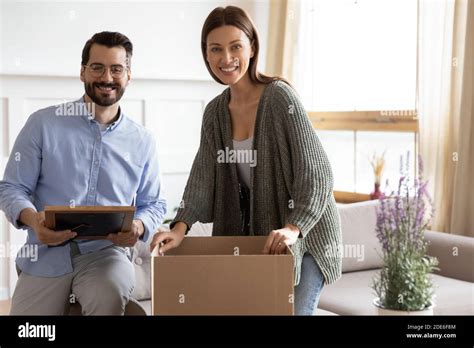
<point>90,222</point>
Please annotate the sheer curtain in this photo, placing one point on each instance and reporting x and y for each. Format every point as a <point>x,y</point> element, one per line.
<point>282,34</point>
<point>444,94</point>
<point>445,110</point>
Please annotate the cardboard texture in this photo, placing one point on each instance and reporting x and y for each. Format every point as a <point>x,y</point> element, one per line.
<point>222,276</point>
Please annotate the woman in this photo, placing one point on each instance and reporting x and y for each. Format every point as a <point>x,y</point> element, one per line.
<point>285,189</point>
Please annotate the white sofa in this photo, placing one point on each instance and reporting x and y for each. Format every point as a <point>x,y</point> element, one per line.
<point>353,295</point>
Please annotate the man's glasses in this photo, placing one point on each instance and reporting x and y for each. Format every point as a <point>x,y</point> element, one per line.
<point>97,70</point>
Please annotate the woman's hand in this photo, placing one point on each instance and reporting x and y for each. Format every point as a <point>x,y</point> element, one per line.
<point>167,240</point>
<point>278,239</point>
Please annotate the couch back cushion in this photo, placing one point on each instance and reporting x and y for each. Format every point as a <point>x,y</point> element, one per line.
<point>361,249</point>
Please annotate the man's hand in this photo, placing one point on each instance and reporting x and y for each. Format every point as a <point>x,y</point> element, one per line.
<point>128,239</point>
<point>278,239</point>
<point>167,240</point>
<point>36,220</point>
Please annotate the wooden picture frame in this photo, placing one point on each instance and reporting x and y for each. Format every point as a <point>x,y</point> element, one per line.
<point>90,222</point>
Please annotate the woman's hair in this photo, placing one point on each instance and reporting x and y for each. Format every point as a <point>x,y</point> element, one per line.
<point>235,16</point>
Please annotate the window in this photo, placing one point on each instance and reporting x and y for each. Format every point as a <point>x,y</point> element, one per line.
<point>355,69</point>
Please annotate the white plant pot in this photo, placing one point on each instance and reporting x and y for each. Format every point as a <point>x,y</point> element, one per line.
<point>384,311</point>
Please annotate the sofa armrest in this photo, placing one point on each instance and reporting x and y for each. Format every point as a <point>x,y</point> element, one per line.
<point>455,254</point>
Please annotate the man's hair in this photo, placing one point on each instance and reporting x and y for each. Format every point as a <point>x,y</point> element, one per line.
<point>109,39</point>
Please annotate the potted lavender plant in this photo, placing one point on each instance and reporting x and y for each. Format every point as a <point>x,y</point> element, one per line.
<point>404,285</point>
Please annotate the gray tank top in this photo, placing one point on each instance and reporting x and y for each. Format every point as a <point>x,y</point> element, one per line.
<point>244,159</point>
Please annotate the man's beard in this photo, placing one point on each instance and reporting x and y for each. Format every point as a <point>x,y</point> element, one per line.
<point>102,99</point>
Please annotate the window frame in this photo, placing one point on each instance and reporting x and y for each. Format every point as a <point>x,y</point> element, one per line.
<point>376,121</point>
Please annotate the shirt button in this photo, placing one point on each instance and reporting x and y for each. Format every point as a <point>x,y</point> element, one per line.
<point>138,261</point>
<point>96,163</point>
<point>92,189</point>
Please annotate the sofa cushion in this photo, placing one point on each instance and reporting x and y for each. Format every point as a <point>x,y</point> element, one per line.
<point>200,230</point>
<point>361,249</point>
<point>141,259</point>
<point>353,295</point>
<point>452,296</point>
<point>146,304</point>
<point>454,253</point>
<point>350,295</point>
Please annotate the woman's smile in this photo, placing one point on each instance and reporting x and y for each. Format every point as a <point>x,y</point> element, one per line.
<point>228,71</point>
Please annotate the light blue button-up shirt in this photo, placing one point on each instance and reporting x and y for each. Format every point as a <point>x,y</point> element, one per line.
<point>62,157</point>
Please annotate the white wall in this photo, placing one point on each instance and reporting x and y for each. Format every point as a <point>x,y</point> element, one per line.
<point>47,37</point>
<point>41,44</point>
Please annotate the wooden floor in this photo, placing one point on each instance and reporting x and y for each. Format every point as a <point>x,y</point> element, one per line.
<point>5,307</point>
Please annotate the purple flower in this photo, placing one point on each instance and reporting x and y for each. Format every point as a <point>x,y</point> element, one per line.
<point>403,215</point>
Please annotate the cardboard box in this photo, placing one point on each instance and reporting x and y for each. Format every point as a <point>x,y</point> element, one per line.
<point>222,276</point>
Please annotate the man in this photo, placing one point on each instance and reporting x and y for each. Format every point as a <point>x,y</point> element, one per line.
<point>84,153</point>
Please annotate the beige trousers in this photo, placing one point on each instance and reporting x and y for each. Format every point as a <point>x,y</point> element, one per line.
<point>102,282</point>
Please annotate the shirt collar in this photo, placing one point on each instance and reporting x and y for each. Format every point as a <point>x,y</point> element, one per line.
<point>84,112</point>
